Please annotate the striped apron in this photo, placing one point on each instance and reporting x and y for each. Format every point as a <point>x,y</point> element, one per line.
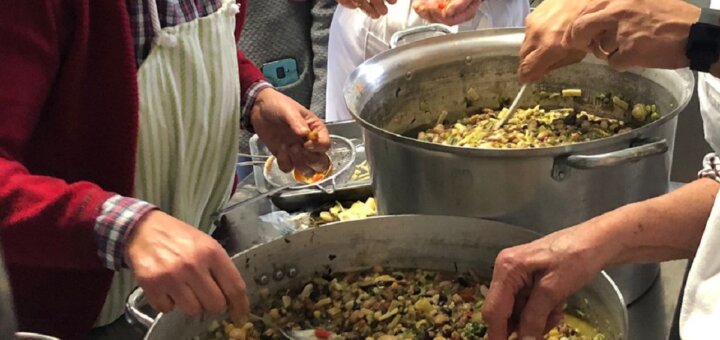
<point>189,126</point>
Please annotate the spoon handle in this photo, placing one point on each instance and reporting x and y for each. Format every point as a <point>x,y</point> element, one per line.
<point>513,107</point>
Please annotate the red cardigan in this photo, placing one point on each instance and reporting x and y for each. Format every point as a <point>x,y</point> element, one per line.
<point>68,135</point>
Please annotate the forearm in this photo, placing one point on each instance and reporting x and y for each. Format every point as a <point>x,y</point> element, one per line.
<point>46,221</point>
<point>660,229</point>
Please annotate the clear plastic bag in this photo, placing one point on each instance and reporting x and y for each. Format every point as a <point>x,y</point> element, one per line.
<point>283,223</point>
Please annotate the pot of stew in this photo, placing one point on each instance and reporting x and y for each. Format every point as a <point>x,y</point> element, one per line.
<point>393,277</point>
<point>587,139</point>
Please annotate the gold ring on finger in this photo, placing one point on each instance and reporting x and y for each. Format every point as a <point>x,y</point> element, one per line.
<point>604,52</point>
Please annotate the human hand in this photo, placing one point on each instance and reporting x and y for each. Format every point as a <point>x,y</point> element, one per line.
<point>448,12</point>
<point>531,282</point>
<point>180,266</point>
<point>284,126</point>
<point>373,8</point>
<point>630,33</point>
<point>543,50</point>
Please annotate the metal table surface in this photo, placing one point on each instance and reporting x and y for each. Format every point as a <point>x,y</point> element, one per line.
<point>650,317</point>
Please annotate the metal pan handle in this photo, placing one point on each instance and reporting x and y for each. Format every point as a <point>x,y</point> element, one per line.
<point>132,310</point>
<point>328,188</point>
<point>639,150</point>
<point>643,150</point>
<point>440,28</point>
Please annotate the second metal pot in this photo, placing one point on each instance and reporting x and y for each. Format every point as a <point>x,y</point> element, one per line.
<point>451,244</point>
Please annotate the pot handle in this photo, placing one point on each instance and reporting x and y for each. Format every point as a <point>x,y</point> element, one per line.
<point>395,39</point>
<point>632,154</point>
<point>132,310</point>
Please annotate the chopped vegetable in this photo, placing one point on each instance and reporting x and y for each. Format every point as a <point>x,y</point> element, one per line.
<point>385,305</point>
<point>322,334</point>
<point>536,128</point>
<point>361,173</point>
<point>357,211</point>
<point>620,103</point>
<point>441,118</point>
<point>313,135</point>
<point>316,177</point>
<point>639,112</point>
<point>571,92</point>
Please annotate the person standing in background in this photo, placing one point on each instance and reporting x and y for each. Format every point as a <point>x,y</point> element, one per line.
<point>288,40</point>
<point>362,29</point>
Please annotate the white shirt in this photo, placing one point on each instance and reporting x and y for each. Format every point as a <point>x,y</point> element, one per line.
<point>700,314</point>
<point>354,38</point>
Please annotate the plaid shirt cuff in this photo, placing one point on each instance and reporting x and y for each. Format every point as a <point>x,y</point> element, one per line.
<point>711,167</point>
<point>117,217</point>
<point>249,100</point>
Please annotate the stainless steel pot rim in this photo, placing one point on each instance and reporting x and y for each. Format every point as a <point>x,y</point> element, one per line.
<point>500,33</point>
<point>34,336</point>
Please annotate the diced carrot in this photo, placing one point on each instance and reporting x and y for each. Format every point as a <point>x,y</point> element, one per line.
<point>322,334</point>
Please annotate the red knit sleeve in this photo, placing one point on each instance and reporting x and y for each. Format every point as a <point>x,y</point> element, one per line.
<point>249,73</point>
<point>44,221</point>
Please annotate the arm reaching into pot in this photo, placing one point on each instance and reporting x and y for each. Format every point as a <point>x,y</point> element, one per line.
<point>180,266</point>
<point>531,282</point>
<point>626,33</point>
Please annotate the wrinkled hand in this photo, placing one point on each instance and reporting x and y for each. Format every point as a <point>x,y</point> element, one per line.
<point>373,8</point>
<point>630,33</point>
<point>543,50</point>
<point>180,266</point>
<point>448,12</point>
<point>531,282</point>
<point>284,125</point>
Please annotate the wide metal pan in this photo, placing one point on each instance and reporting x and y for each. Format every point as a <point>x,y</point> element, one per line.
<point>428,242</point>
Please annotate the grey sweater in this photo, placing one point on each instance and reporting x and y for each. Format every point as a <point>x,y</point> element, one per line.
<point>279,29</point>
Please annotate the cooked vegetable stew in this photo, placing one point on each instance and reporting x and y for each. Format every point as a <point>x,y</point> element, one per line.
<point>382,305</point>
<point>536,127</point>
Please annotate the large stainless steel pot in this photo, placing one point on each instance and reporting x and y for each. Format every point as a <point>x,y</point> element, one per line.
<point>430,242</point>
<point>402,91</point>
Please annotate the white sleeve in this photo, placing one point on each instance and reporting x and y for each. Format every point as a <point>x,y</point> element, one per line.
<point>345,53</point>
<point>508,13</point>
